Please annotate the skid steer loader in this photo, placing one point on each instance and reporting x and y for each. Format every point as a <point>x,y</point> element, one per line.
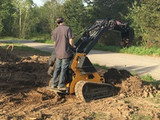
<point>82,78</point>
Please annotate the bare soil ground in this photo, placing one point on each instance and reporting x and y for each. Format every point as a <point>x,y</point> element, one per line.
<point>23,77</point>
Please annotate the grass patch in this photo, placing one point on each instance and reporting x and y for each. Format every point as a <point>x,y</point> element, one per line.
<point>107,48</point>
<point>148,79</point>
<point>45,41</point>
<point>138,50</point>
<point>100,66</point>
<point>11,38</point>
<point>41,39</point>
<point>21,48</point>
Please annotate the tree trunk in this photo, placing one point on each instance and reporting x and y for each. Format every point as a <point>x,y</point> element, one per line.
<point>20,23</point>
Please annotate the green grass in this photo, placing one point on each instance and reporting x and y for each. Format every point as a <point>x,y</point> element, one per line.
<point>41,39</point>
<point>138,50</point>
<point>11,38</point>
<point>100,66</point>
<point>148,79</point>
<point>45,41</point>
<point>19,47</point>
<point>107,48</point>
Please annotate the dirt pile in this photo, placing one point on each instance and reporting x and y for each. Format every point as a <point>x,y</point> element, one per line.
<point>134,87</point>
<point>114,76</point>
<point>20,75</point>
<point>6,56</point>
<point>127,85</point>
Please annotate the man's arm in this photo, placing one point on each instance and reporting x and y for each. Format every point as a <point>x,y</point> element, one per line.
<point>71,42</point>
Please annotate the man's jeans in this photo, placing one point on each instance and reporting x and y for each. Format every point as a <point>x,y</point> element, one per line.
<point>61,67</point>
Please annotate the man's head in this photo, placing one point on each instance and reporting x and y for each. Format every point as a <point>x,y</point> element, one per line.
<point>60,20</point>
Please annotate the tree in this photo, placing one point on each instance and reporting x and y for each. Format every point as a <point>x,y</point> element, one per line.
<point>74,14</point>
<point>144,17</point>
<point>52,10</point>
<point>116,9</point>
<point>23,16</point>
<point>6,17</point>
<point>47,15</point>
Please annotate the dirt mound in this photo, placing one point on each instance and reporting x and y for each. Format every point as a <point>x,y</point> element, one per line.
<point>6,56</point>
<point>127,85</point>
<point>114,76</point>
<point>133,86</point>
<point>22,75</point>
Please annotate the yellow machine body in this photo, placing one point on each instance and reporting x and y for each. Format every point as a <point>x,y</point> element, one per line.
<point>78,76</point>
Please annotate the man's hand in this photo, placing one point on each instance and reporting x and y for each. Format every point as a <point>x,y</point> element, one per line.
<point>74,46</point>
<point>72,43</point>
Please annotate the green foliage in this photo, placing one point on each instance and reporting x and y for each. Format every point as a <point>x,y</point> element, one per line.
<point>49,12</point>
<point>74,14</point>
<point>111,8</point>
<point>1,26</point>
<point>144,17</point>
<point>6,18</point>
<point>23,19</point>
<point>110,38</point>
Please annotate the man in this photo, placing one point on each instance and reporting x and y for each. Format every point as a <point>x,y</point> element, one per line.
<point>63,38</point>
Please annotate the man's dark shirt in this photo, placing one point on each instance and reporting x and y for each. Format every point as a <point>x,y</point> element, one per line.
<point>61,36</point>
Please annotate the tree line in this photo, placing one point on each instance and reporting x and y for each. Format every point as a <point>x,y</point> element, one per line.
<point>24,19</point>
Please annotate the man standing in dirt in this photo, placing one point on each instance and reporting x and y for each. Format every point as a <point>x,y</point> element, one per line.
<point>63,38</point>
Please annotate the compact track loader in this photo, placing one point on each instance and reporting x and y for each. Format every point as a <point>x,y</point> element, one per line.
<point>82,78</point>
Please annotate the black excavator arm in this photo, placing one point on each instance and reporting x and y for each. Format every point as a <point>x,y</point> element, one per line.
<point>94,33</point>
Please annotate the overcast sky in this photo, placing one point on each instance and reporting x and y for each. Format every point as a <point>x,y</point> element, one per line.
<point>39,2</point>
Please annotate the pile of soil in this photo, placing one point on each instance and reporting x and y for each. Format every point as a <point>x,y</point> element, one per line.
<point>24,96</point>
<point>134,87</point>
<point>7,57</point>
<point>127,85</point>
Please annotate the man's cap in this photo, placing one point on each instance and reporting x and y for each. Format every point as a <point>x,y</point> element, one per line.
<point>59,20</point>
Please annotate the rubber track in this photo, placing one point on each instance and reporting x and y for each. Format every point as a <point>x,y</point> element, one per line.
<point>87,91</point>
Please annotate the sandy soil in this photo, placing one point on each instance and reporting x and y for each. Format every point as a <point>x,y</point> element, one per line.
<point>23,78</point>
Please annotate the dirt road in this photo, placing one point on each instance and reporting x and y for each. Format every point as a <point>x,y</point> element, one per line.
<point>141,65</point>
